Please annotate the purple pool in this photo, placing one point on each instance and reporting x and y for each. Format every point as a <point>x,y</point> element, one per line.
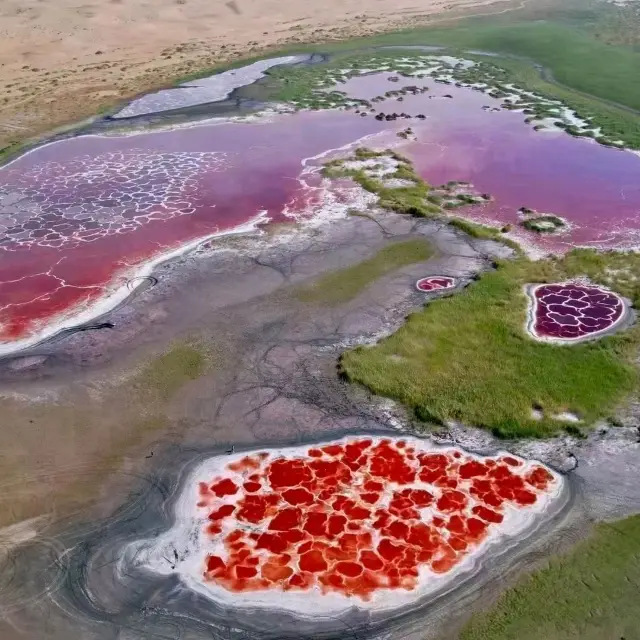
<point>572,311</point>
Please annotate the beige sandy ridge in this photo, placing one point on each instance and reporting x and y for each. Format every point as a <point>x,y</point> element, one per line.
<point>63,60</point>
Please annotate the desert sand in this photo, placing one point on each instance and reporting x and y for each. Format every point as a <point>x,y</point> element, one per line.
<point>63,60</point>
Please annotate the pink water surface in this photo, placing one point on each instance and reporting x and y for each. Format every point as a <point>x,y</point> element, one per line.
<point>95,210</point>
<point>78,216</point>
<point>596,188</point>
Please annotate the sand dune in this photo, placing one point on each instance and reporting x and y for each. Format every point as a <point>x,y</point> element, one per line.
<point>61,60</point>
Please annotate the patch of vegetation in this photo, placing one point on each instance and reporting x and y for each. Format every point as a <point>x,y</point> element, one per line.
<point>589,594</point>
<point>468,357</point>
<point>575,59</point>
<point>484,232</point>
<point>167,373</point>
<point>417,198</point>
<point>10,151</point>
<point>544,224</point>
<point>343,285</point>
<point>410,199</point>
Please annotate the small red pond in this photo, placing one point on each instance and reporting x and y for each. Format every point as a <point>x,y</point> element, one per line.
<point>358,516</point>
<point>573,311</point>
<point>435,283</point>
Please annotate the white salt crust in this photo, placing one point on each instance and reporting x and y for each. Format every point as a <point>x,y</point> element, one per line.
<point>182,549</point>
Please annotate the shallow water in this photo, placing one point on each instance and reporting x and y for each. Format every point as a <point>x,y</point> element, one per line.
<point>596,188</point>
<point>79,218</point>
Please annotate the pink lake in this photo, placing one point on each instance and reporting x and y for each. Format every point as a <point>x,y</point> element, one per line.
<point>596,188</point>
<point>78,218</point>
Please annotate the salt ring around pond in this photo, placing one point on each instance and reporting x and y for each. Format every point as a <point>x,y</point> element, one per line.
<point>364,521</point>
<point>435,283</point>
<point>572,311</point>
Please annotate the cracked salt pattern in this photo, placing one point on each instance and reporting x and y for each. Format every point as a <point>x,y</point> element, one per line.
<point>571,311</point>
<point>367,522</point>
<point>62,204</point>
<point>203,91</point>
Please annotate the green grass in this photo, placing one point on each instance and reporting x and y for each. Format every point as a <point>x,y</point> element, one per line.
<point>468,358</point>
<point>575,59</point>
<point>11,151</point>
<point>543,224</point>
<point>484,232</point>
<point>589,594</point>
<point>343,285</point>
<point>164,375</point>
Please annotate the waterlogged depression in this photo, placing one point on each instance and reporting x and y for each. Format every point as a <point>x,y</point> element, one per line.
<point>362,521</point>
<point>81,217</point>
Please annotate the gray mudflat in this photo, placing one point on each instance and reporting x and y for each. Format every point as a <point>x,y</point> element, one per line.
<point>275,382</point>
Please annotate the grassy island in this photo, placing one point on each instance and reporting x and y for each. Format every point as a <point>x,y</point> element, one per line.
<point>467,357</point>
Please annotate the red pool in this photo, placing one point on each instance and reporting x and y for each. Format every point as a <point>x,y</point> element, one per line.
<point>359,516</point>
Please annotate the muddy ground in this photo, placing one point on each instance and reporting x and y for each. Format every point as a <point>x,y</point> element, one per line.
<point>94,446</point>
